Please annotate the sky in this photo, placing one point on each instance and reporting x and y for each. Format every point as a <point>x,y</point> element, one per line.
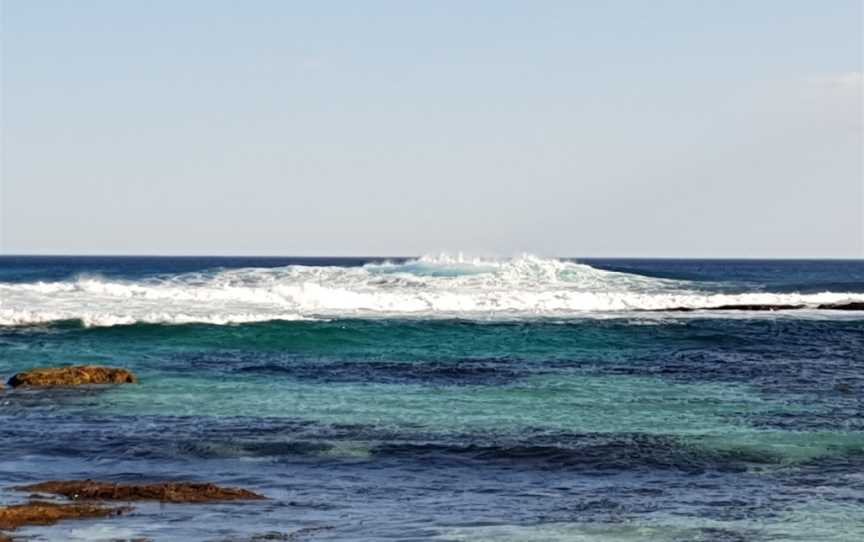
<point>687,128</point>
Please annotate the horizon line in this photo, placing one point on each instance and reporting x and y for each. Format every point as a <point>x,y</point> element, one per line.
<point>409,257</point>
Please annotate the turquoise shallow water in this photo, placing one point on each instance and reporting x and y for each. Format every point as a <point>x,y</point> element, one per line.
<point>480,425</point>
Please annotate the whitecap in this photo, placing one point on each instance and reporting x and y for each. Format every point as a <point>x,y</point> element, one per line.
<point>525,287</point>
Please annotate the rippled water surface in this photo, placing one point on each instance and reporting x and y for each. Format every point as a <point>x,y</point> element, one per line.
<point>446,399</point>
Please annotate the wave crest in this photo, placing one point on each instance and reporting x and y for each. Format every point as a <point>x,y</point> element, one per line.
<point>427,287</point>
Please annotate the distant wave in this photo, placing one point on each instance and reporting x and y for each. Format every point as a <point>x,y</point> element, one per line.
<point>429,287</point>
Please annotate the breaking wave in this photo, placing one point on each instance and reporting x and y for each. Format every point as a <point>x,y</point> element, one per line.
<point>428,287</point>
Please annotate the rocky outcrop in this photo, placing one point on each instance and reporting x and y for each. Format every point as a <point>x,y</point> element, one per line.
<point>75,375</point>
<point>86,495</point>
<point>49,513</point>
<point>162,491</point>
<point>853,306</point>
<point>751,307</point>
<point>757,307</point>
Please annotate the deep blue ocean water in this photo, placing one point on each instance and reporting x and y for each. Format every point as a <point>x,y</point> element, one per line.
<point>446,398</point>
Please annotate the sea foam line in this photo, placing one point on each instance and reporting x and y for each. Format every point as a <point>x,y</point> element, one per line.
<point>527,287</point>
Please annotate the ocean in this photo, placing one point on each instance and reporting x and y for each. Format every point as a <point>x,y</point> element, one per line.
<point>447,398</point>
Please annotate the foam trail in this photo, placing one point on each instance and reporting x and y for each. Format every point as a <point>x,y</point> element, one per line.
<point>429,287</point>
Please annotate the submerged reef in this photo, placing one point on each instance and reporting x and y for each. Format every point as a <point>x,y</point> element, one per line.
<point>176,492</point>
<point>49,513</point>
<point>40,512</point>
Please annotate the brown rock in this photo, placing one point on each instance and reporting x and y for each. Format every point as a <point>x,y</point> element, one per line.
<point>49,513</point>
<point>161,491</point>
<point>75,375</point>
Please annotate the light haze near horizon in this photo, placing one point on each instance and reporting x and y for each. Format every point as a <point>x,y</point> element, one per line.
<point>607,128</point>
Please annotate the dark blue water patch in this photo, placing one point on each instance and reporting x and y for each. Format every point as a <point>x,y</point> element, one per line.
<point>465,373</point>
<point>590,454</point>
<point>80,433</point>
<point>839,474</point>
<point>823,377</point>
<point>40,430</point>
<point>847,418</point>
<point>823,361</point>
<point>34,402</point>
<point>327,370</point>
<point>59,268</point>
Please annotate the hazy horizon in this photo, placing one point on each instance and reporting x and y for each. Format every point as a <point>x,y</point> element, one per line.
<point>587,130</point>
<point>455,256</point>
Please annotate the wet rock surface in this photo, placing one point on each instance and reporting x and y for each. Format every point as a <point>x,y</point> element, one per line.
<point>175,492</point>
<point>750,307</point>
<point>75,375</point>
<point>854,306</point>
<point>49,513</point>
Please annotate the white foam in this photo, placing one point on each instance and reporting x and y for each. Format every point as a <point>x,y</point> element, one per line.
<point>429,287</point>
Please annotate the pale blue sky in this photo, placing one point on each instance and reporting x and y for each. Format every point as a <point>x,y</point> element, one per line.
<point>572,128</point>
